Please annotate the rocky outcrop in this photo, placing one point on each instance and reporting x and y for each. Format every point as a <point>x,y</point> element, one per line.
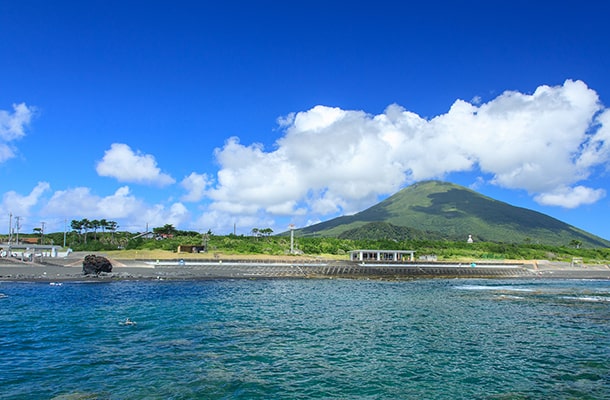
<point>94,265</point>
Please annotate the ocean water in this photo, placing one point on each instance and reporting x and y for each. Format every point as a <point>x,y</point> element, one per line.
<point>306,339</point>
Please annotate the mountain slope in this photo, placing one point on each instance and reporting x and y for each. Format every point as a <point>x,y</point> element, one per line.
<point>451,211</point>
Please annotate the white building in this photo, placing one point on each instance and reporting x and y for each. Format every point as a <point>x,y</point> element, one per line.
<point>382,255</point>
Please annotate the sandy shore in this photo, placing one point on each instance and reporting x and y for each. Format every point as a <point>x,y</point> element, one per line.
<point>70,269</point>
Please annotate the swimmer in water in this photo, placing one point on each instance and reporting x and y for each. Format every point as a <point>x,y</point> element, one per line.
<point>128,322</point>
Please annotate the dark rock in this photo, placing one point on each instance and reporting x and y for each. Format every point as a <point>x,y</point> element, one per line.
<point>93,264</point>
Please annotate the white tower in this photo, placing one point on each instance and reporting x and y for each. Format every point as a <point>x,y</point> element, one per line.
<point>291,226</point>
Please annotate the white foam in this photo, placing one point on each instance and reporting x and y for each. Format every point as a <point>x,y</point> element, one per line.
<point>494,288</point>
<point>509,297</point>
<point>592,299</point>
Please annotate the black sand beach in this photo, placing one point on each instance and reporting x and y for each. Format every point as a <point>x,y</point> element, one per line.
<point>70,269</point>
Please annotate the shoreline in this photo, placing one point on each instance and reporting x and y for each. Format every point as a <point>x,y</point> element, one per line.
<point>70,269</point>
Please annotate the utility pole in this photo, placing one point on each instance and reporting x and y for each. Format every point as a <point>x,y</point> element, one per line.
<point>291,239</point>
<point>18,227</point>
<point>10,228</point>
<point>204,241</point>
<point>42,232</point>
<point>65,227</point>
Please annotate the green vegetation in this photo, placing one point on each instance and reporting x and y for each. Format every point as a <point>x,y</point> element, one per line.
<point>443,211</point>
<point>432,218</point>
<point>321,246</point>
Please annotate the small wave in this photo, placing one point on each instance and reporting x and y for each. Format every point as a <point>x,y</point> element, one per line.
<point>78,396</point>
<point>493,288</point>
<point>509,297</point>
<point>590,299</point>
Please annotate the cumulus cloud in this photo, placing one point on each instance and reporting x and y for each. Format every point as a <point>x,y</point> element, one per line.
<point>219,221</point>
<point>596,148</point>
<point>125,165</point>
<point>568,197</point>
<point>195,185</point>
<point>80,203</point>
<point>21,205</point>
<point>12,127</point>
<point>330,160</point>
<point>176,215</point>
<point>523,141</point>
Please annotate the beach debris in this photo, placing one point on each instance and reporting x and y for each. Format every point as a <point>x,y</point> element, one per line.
<point>93,264</point>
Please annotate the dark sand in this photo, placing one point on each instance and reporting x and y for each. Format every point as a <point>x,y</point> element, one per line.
<point>70,269</point>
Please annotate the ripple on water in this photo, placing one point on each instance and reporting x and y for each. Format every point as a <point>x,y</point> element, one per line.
<point>307,339</point>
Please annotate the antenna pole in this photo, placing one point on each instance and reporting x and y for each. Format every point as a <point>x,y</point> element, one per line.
<point>291,239</point>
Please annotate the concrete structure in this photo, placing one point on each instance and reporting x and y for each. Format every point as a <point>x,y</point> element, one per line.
<point>191,249</point>
<point>382,255</point>
<point>27,250</point>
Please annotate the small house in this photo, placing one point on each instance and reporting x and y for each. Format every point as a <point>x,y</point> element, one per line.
<point>381,255</point>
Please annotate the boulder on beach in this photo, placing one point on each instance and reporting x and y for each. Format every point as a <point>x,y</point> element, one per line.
<point>95,265</point>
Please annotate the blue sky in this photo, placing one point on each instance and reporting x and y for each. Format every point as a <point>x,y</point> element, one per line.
<point>215,115</point>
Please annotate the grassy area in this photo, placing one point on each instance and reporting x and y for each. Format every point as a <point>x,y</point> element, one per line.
<point>278,247</point>
<point>172,255</point>
<point>158,254</point>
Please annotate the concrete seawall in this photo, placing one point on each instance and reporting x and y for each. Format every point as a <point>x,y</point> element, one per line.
<point>71,269</point>
<point>324,269</point>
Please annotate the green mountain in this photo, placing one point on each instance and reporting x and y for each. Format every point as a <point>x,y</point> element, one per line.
<point>434,210</point>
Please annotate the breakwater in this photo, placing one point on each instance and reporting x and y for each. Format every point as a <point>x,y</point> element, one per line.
<point>292,268</point>
<point>266,269</point>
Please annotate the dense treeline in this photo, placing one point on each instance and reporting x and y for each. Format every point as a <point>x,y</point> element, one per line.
<point>169,238</point>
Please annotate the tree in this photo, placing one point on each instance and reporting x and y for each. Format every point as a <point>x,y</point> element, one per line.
<point>112,227</point>
<point>103,225</point>
<point>576,243</point>
<point>86,227</point>
<point>38,231</point>
<point>95,225</point>
<point>167,229</point>
<point>266,231</point>
<point>77,226</point>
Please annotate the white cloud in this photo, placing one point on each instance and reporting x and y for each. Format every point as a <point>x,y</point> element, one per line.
<point>12,127</point>
<point>132,212</point>
<point>195,185</point>
<point>122,163</point>
<point>329,161</point>
<point>571,197</point>
<point>81,203</point>
<point>476,100</point>
<point>596,149</point>
<point>286,120</point>
<point>254,176</point>
<point>526,141</point>
<point>19,205</point>
<point>221,222</point>
<point>177,214</point>
<point>332,160</point>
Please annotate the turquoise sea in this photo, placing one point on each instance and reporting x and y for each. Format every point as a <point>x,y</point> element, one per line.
<point>306,339</point>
